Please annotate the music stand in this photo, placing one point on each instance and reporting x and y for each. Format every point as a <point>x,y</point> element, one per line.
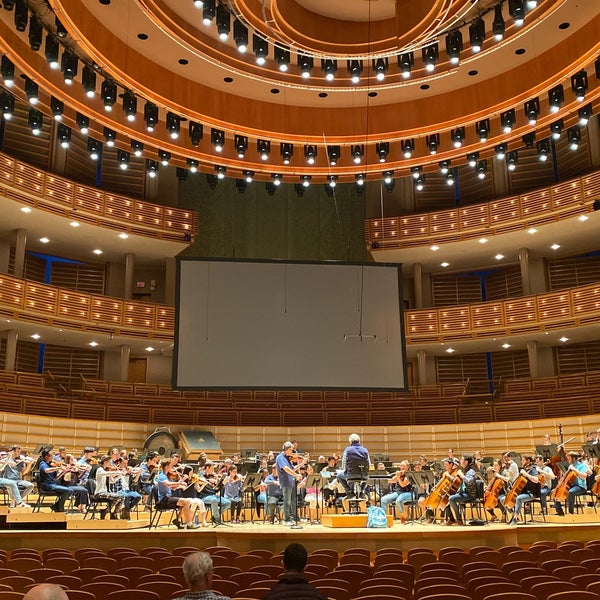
<point>246,468</point>
<point>547,452</point>
<point>315,481</point>
<point>250,482</point>
<point>375,478</point>
<point>592,450</point>
<point>248,453</point>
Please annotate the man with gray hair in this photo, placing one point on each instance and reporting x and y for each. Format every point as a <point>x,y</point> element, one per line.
<point>287,482</point>
<point>197,570</point>
<point>46,591</point>
<point>353,454</point>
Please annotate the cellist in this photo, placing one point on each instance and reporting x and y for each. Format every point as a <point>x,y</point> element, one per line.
<point>529,483</point>
<point>466,492</point>
<point>578,488</point>
<point>546,476</point>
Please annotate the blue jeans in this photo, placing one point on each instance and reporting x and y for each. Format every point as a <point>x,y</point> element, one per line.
<point>13,489</point>
<point>63,492</point>
<point>453,505</point>
<point>131,498</point>
<point>388,499</point>
<point>575,490</point>
<point>214,500</point>
<point>290,505</point>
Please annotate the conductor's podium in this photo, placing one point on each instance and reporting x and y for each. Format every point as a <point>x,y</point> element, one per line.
<point>358,520</point>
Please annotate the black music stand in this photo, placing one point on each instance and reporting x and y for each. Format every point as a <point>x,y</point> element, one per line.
<point>547,452</point>
<point>315,481</point>
<point>592,450</point>
<point>375,478</point>
<point>423,482</point>
<point>252,480</point>
<point>220,488</point>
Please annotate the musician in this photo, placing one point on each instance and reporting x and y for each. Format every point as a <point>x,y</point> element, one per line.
<point>466,493</point>
<point>288,478</point>
<point>148,470</point>
<point>224,467</point>
<point>60,456</point>
<point>166,500</point>
<point>210,493</point>
<point>260,491</point>
<point>202,460</point>
<point>86,462</point>
<point>312,496</point>
<point>401,491</point>
<point>15,468</point>
<point>353,454</point>
<point>580,486</point>
<point>510,466</point>
<point>529,491</point>
<point>478,463</point>
<point>105,475</point>
<point>274,494</point>
<point>546,476</point>
<point>493,473</point>
<point>450,470</point>
<point>233,492</point>
<point>49,474</point>
<point>123,487</point>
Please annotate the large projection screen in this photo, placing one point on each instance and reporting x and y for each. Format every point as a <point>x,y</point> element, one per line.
<point>288,325</point>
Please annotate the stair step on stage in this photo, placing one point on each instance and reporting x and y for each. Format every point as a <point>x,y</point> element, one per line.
<point>349,520</point>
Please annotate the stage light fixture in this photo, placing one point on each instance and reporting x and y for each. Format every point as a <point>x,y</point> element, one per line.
<point>263,147</point>
<point>516,9</point>
<point>260,47</point>
<point>88,81</point>
<point>61,32</point>
<point>388,186</point>
<point>332,180</point>
<point>31,91</point>
<point>94,148</point>
<point>129,105</point>
<point>477,34</point>
<point>223,22</point>
<point>498,24</point>
<point>508,119</point>
<point>388,176</point>
<point>380,68</point>
<point>472,159</point>
<point>556,97</point>
<point>355,69</point>
<point>357,151</point>
<point>382,150</point>
<point>35,120</point>
<point>276,177</point>
<point>433,142</point>
<point>406,62</point>
<point>305,180</point>
<point>416,171</point>
<point>306,64</point>
<point>287,151</point>
<point>150,116</point>
<point>181,174</point>
<point>444,166</point>
<point>310,153</point>
<point>164,156</point>
<point>457,136</point>
<point>7,68</point>
<point>579,84</point>
<point>282,57</point>
<point>208,12</point>
<point>51,51</point>
<point>359,188</point>
<point>241,145</point>
<point>431,56</point>
<point>57,108</point>
<point>543,150</point>
<point>333,154</point>
<point>512,158</point>
<point>482,129</point>
<point>173,123</point>
<point>198,3</point>
<point>449,176</point>
<point>35,33</point>
<point>217,139</point>
<point>585,114</point>
<point>193,165</point>
<point>574,137</point>
<point>248,176</point>
<point>152,168</point>
<point>329,191</point>
<point>196,133</point>
<point>212,180</point>
<point>454,46</point>
<point>482,168</point>
<point>110,136</point>
<point>407,147</point>
<point>329,68</point>
<point>137,148</point>
<point>531,4</point>
<point>556,128</point>
<point>108,93</point>
<point>83,122</point>
<point>7,105</point>
<point>501,150</point>
<point>220,170</point>
<point>123,158</point>
<point>529,139</point>
<point>241,185</point>
<point>359,178</point>
<point>68,65</point>
<point>240,36</point>
<point>9,5</point>
<point>532,110</point>
<point>21,15</point>
<point>419,182</point>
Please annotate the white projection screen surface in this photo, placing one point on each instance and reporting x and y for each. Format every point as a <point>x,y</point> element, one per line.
<point>275,324</point>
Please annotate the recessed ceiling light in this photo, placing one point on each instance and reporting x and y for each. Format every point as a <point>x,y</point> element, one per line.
<point>434,248</point>
<point>44,240</point>
<point>499,256</point>
<point>564,339</point>
<point>532,230</point>
<point>483,240</point>
<point>74,224</point>
<point>583,217</point>
<point>506,345</point>
<point>123,236</point>
<point>445,264</point>
<point>149,349</point>
<point>25,209</point>
<point>555,246</point>
<point>93,344</point>
<point>36,336</point>
<point>449,350</point>
<point>97,251</point>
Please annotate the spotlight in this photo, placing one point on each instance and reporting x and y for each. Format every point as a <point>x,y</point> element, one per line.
<point>529,139</point>
<point>556,128</point>
<point>332,179</point>
<point>357,151</point>
<point>196,132</point>
<point>208,12</point>
<point>416,171</point>
<point>388,176</point>
<point>419,182</point>
<point>217,139</point>
<point>108,93</point>
<point>223,22</point>
<point>406,62</point>
<point>220,170</point>
<point>263,147</point>
<point>287,151</point>
<point>151,168</point>
<point>9,5</point>
<point>359,188</point>
<point>507,120</point>
<point>7,105</point>
<point>454,46</point>
<point>450,177</point>
<point>193,164</point>
<point>532,110</point>
<point>333,154</point>
<point>35,33</point>
<point>380,68</point>
<point>360,179</point>
<point>516,9</point>
<point>433,142</point>
<point>382,149</point>
<point>457,136</point>
<point>241,145</point>
<point>35,119</point>
<point>240,36</point>
<point>129,105</point>
<point>173,123</point>
<point>482,168</point>
<point>110,136</point>
<point>31,91</point>
<point>329,191</point>
<point>329,68</point>
<point>543,150</point>
<point>181,174</point>
<point>498,25</point>
<point>512,158</point>
<point>83,122</point>
<point>556,97</point>
<point>483,129</point>
<point>445,166</point>
<point>88,81</point>
<point>21,15</point>
<point>137,148</point>
<point>501,150</point>
<point>585,114</point>
<point>260,46</point>
<point>282,58</point>
<point>123,158</point>
<point>51,51</point>
<point>310,153</point>
<point>94,148</point>
<point>408,147</point>
<point>57,107</point>
<point>150,116</point>
<point>306,64</point>
<point>472,159</point>
<point>430,55</point>
<point>248,176</point>
<point>305,179</point>
<point>574,137</point>
<point>68,66</point>
<point>241,185</point>
<point>212,180</point>
<point>164,156</point>
<point>198,3</point>
<point>389,184</point>
<point>531,4</point>
<point>579,84</point>
<point>7,68</point>
<point>276,177</point>
<point>355,68</point>
<point>477,34</point>
<point>61,32</point>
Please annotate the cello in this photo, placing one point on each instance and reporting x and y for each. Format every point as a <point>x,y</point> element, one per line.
<point>561,491</point>
<point>440,489</point>
<point>492,493</point>
<point>453,489</point>
<point>517,487</point>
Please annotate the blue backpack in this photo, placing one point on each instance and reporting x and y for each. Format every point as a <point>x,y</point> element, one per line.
<point>376,517</point>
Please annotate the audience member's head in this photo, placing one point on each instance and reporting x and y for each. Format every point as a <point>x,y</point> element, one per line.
<point>46,591</point>
<point>294,558</point>
<point>197,570</point>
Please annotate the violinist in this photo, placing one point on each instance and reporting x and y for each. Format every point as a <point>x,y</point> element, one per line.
<point>312,496</point>
<point>105,477</point>
<point>166,499</point>
<point>260,492</point>
<point>401,491</point>
<point>210,492</point>
<point>274,493</point>
<point>528,483</point>
<point>579,487</point>
<point>510,467</point>
<point>223,469</point>
<point>467,491</point>
<point>232,491</point>
<point>546,476</point>
<point>15,468</point>
<point>60,456</point>
<point>49,484</point>
<point>88,460</point>
<point>148,470</point>
<point>123,487</point>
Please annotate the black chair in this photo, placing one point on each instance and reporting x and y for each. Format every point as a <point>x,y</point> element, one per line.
<point>356,479</point>
<point>90,485</point>
<point>476,505</point>
<point>42,495</point>
<point>156,510</point>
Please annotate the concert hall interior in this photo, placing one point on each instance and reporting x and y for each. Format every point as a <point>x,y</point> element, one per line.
<point>457,138</point>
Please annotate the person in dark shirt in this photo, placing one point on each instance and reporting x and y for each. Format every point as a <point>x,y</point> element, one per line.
<point>293,585</point>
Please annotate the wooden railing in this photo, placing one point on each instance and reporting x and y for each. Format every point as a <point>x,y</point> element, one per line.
<point>31,186</point>
<point>516,213</point>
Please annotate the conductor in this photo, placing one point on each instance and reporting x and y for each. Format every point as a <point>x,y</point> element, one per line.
<point>353,454</point>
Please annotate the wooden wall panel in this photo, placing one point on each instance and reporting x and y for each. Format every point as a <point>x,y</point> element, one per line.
<point>530,172</point>
<point>19,142</point>
<point>573,272</point>
<point>472,189</point>
<point>510,364</point>
<point>435,195</point>
<point>578,358</point>
<point>454,368</point>
<point>82,277</point>
<point>573,163</point>
<point>78,165</point>
<point>505,283</point>
<point>452,289</point>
